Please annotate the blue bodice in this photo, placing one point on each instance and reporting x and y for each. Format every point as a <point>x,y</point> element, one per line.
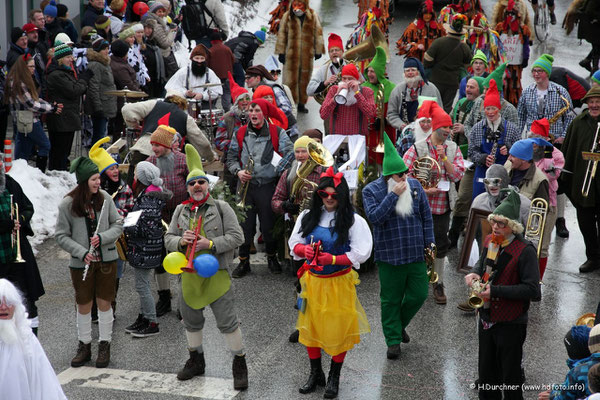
<point>327,236</point>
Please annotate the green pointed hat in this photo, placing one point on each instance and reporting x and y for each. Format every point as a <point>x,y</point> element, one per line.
<point>480,55</point>
<point>496,75</point>
<point>510,208</point>
<point>392,162</point>
<point>194,164</point>
<point>378,63</point>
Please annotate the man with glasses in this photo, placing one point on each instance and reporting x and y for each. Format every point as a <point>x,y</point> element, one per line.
<point>506,278</point>
<point>398,210</point>
<point>328,74</point>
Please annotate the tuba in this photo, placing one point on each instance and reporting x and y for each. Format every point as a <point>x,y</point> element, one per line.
<point>534,231</point>
<point>427,171</point>
<point>302,188</point>
<point>366,48</point>
<point>592,157</point>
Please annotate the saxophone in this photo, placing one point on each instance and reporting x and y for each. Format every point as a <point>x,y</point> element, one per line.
<point>559,114</point>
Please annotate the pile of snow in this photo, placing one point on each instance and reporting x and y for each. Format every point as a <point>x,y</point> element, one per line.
<point>45,191</point>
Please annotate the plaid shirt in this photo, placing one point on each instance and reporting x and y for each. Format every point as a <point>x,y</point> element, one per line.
<point>529,111</point>
<point>398,240</point>
<point>477,137</point>
<point>124,201</point>
<point>175,182</point>
<point>38,106</point>
<point>438,203</point>
<point>346,120</point>
<point>407,139</point>
<point>223,136</point>
<point>508,112</point>
<point>282,192</point>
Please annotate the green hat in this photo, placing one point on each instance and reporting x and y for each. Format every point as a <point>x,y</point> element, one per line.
<point>544,62</point>
<point>194,164</point>
<point>593,92</point>
<point>83,168</point>
<point>497,75</point>
<point>510,208</point>
<point>480,82</point>
<point>480,55</point>
<point>378,64</point>
<point>392,162</point>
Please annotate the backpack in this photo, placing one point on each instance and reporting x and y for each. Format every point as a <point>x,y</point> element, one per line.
<point>272,131</point>
<point>194,22</point>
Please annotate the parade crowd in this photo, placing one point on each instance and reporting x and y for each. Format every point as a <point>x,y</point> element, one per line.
<point>457,154</point>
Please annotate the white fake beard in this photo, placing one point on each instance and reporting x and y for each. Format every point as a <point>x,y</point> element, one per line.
<point>413,82</point>
<point>404,205</point>
<point>351,99</point>
<point>8,331</point>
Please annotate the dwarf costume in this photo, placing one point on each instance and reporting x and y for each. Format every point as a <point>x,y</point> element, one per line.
<point>420,32</point>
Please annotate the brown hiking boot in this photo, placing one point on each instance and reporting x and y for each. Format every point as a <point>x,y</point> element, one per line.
<point>240,373</point>
<point>84,354</point>
<point>194,366</point>
<point>465,306</point>
<point>438,293</point>
<point>103,354</point>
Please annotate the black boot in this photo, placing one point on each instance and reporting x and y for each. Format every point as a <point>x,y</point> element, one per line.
<point>561,228</point>
<point>164,302</point>
<point>302,108</point>
<point>242,269</point>
<point>294,336</point>
<point>333,382</point>
<point>455,229</point>
<point>240,373</point>
<point>273,264</point>
<point>194,366</point>
<point>41,163</point>
<point>315,378</point>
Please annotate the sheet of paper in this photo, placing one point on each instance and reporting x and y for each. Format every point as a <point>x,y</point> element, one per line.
<point>468,164</point>
<point>275,160</point>
<point>132,218</point>
<point>212,180</point>
<point>444,185</point>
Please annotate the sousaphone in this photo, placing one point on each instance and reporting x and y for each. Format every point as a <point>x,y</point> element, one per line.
<point>366,48</point>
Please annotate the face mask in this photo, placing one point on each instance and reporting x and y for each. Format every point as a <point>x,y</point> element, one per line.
<point>199,68</point>
<point>298,12</point>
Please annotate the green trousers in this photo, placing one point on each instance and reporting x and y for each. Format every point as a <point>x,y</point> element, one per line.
<point>404,289</point>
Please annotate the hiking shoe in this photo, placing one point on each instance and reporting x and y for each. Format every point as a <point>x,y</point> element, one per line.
<point>84,354</point>
<point>194,366</point>
<point>139,322</point>
<point>242,269</point>
<point>103,354</point>
<point>438,293</point>
<point>393,352</point>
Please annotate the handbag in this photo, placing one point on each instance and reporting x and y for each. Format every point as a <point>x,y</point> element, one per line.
<point>25,121</point>
<point>121,245</point>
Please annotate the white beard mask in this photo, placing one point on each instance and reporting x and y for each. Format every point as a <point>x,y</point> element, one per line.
<point>298,13</point>
<point>404,205</point>
<point>8,331</point>
<point>350,99</point>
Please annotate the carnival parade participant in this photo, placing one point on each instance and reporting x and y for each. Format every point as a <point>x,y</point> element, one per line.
<point>508,271</point>
<point>26,371</point>
<point>479,65</point>
<point>580,137</point>
<point>396,205</point>
<point>417,130</point>
<point>441,200</point>
<point>404,99</point>
<point>420,33</point>
<point>462,109</point>
<point>25,276</point>
<point>332,318</point>
<point>351,118</point>
<point>220,234</point>
<point>189,81</point>
<point>327,74</point>
<point>266,92</point>
<point>523,172</point>
<point>299,39</point>
<point>89,236</point>
<point>258,142</point>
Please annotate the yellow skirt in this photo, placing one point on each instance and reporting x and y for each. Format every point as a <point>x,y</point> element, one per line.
<point>333,319</point>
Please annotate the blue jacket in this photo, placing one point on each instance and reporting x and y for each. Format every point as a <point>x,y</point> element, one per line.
<point>575,385</point>
<point>398,240</point>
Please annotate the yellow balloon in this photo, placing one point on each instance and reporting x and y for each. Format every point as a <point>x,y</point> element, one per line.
<point>173,263</point>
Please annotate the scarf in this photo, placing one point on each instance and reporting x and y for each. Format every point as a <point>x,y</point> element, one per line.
<point>196,203</point>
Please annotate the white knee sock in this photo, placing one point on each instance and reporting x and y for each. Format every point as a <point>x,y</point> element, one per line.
<point>105,325</point>
<point>163,281</point>
<point>234,342</point>
<point>194,340</point>
<point>560,205</point>
<point>84,327</point>
<point>438,266</point>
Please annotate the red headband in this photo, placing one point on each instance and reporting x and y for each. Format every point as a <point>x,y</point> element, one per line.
<point>337,178</point>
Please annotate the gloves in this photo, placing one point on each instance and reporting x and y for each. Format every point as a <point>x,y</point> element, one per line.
<point>317,56</point>
<point>327,259</point>
<point>86,75</point>
<point>282,58</point>
<point>290,207</point>
<point>301,249</point>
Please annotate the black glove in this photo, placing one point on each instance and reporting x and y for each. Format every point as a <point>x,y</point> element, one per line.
<point>317,56</point>
<point>86,75</point>
<point>282,58</point>
<point>290,207</point>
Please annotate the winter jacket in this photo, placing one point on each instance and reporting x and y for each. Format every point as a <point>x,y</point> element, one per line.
<point>534,184</point>
<point>72,232</point>
<point>123,74</point>
<point>220,59</point>
<point>145,238</point>
<point>576,384</point>
<point>64,88</point>
<point>446,57</point>
<point>396,102</point>
<point>53,29</point>
<point>89,16</point>
<point>162,34</point>
<point>68,27</point>
<point>243,47</point>
<point>14,52</point>
<point>96,101</point>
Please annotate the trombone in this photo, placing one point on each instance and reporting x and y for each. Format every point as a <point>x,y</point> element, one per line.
<point>536,221</point>
<point>15,237</point>
<point>430,253</point>
<point>592,157</point>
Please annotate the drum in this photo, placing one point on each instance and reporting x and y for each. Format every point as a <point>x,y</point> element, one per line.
<point>211,118</point>
<point>194,108</point>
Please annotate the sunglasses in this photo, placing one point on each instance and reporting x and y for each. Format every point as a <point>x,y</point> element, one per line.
<point>275,71</point>
<point>199,182</point>
<point>500,224</point>
<point>324,194</point>
<point>492,181</point>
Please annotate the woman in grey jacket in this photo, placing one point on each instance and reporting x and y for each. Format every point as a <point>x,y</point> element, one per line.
<point>89,235</point>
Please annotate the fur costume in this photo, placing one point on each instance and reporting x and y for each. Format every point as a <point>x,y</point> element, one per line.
<point>420,32</point>
<point>521,5</point>
<point>299,40</point>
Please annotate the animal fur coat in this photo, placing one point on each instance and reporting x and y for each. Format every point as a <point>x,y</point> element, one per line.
<point>300,42</point>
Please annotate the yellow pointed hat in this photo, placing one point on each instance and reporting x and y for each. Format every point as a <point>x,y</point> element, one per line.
<point>101,157</point>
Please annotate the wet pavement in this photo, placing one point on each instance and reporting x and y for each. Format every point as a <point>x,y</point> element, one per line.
<point>440,362</point>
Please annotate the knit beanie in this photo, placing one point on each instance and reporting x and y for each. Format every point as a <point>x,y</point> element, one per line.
<point>510,208</point>
<point>62,38</point>
<point>480,55</point>
<point>544,62</point>
<point>194,164</point>
<point>576,342</point>
<point>497,75</point>
<point>302,142</point>
<point>593,377</point>
<point>480,82</point>
<point>261,36</point>
<point>334,40</point>
<point>314,134</point>
<point>522,149</point>
<point>199,50</point>
<point>62,50</point>
<point>102,22</point>
<point>125,33</point>
<point>596,77</point>
<point>594,340</point>
<point>492,96</point>
<point>51,10</point>
<point>412,62</point>
<point>83,168</point>
<point>540,127</point>
<point>101,157</point>
<point>268,109</point>
<point>163,135</point>
<point>119,48</point>
<point>392,162</point>
<point>99,44</point>
<point>140,8</point>
<point>156,6</point>
<point>350,70</point>
<point>148,174</point>
<point>16,33</point>
<point>259,70</point>
<point>61,11</point>
<point>262,91</point>
<point>439,117</point>
<point>236,90</point>
<point>29,27</point>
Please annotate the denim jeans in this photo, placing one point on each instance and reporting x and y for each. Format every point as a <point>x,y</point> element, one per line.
<point>24,143</point>
<point>99,128</point>
<point>143,277</point>
<point>120,265</point>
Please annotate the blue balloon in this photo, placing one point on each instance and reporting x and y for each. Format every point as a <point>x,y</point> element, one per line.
<point>206,265</point>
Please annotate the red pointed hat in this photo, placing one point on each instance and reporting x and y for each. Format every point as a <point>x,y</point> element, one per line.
<point>236,90</point>
<point>439,117</point>
<point>541,127</point>
<point>492,96</point>
<point>164,120</point>
<point>425,109</point>
<point>334,40</point>
<point>350,70</point>
<point>268,109</point>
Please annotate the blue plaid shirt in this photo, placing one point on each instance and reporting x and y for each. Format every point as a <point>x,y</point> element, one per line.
<point>529,110</point>
<point>576,384</point>
<point>398,240</point>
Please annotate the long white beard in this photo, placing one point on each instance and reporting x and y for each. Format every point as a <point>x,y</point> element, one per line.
<point>419,133</point>
<point>8,331</point>
<point>166,163</point>
<point>412,82</point>
<point>404,205</point>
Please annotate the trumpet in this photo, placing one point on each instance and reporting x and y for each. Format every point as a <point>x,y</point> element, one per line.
<point>430,253</point>
<point>592,157</point>
<point>475,301</point>
<point>243,189</point>
<point>381,116</point>
<point>16,236</point>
